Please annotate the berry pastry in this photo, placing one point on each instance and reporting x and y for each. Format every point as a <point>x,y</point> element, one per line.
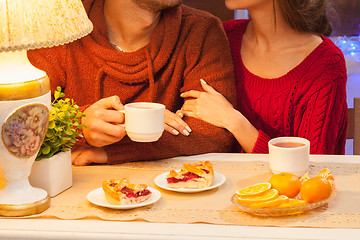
<point>121,192</point>
<point>192,176</point>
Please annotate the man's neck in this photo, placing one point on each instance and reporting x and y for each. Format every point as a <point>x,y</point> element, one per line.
<point>129,26</point>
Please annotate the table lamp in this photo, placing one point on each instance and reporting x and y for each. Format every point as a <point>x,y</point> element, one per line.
<point>25,96</point>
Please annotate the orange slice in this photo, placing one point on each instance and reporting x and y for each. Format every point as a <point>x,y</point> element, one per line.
<point>254,189</point>
<point>293,202</point>
<point>265,196</point>
<point>271,203</point>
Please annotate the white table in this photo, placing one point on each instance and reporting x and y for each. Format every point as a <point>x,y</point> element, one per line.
<point>97,229</point>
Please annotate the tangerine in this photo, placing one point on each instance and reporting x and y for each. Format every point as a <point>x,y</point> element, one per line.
<point>286,183</point>
<point>315,189</point>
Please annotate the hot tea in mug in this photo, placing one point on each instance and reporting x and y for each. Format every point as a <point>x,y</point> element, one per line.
<point>144,121</point>
<point>289,144</point>
<point>289,154</point>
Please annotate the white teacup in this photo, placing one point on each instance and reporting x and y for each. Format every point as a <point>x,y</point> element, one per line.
<point>289,154</point>
<point>144,121</point>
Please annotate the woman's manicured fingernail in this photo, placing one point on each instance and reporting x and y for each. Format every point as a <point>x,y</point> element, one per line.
<point>188,128</point>
<point>181,94</point>
<point>203,81</point>
<point>186,133</point>
<point>175,132</point>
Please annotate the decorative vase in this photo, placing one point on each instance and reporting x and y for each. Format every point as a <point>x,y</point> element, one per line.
<point>25,101</point>
<point>52,174</point>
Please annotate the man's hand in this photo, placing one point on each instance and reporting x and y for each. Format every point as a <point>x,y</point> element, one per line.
<point>83,156</point>
<point>103,121</point>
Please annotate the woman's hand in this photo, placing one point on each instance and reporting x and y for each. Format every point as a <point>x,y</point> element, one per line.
<point>209,106</point>
<point>174,123</point>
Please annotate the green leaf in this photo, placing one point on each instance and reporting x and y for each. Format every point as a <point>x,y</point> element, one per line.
<point>51,124</point>
<point>46,149</point>
<point>61,114</point>
<point>49,133</point>
<point>57,95</point>
<point>64,108</point>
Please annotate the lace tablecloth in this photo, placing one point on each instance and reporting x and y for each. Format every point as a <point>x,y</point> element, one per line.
<point>213,206</point>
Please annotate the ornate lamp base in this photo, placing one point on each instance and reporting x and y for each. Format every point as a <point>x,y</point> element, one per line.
<point>18,210</point>
<point>19,198</point>
<point>25,101</point>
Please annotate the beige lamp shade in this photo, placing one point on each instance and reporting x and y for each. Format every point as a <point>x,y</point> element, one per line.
<point>31,24</point>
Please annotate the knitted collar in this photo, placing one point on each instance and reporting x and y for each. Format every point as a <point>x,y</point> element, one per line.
<point>134,67</point>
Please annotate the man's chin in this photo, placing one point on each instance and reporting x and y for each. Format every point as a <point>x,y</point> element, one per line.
<point>172,4</point>
<point>157,5</point>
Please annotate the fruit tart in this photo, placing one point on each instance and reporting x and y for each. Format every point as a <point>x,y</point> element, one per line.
<point>122,192</point>
<point>192,176</point>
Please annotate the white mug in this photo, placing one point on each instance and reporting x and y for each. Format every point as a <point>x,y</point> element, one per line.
<point>289,154</point>
<point>144,121</point>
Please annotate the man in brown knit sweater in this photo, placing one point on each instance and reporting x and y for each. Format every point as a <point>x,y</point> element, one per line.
<point>141,50</point>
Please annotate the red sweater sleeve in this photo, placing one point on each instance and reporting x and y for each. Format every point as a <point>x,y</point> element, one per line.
<point>51,60</point>
<point>261,145</point>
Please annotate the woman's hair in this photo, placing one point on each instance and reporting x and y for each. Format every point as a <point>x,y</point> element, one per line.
<point>306,15</point>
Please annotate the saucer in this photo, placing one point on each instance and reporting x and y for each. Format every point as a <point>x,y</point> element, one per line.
<point>97,197</point>
<point>161,182</point>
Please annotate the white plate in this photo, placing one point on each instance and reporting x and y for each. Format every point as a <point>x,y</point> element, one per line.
<point>97,197</point>
<point>161,182</point>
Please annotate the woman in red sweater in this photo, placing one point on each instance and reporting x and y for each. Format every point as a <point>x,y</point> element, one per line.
<point>291,79</point>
